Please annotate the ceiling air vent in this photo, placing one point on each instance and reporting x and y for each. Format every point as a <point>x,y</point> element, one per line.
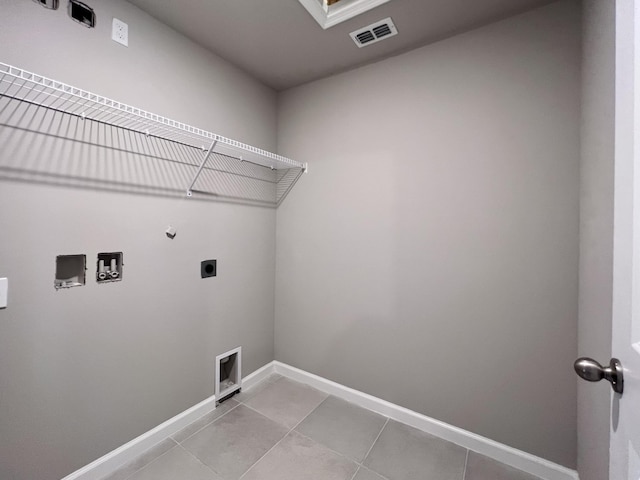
<point>374,33</point>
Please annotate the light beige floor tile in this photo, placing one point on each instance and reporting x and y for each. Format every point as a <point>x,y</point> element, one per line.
<point>235,441</point>
<point>205,420</point>
<point>343,427</point>
<point>366,474</point>
<point>405,453</point>
<point>286,402</point>
<point>300,458</point>
<point>246,394</point>
<point>126,470</point>
<point>176,464</point>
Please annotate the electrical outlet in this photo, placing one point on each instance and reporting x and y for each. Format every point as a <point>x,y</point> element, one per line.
<point>120,32</point>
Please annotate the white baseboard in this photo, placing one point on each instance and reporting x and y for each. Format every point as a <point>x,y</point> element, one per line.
<point>257,376</point>
<point>110,462</point>
<point>484,446</point>
<point>492,449</point>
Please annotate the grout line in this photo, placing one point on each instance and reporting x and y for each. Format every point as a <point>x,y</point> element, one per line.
<point>313,410</point>
<point>500,452</point>
<point>360,465</point>
<point>264,383</point>
<point>205,426</point>
<point>356,472</point>
<point>199,461</point>
<point>374,442</point>
<point>466,460</point>
<point>330,449</point>
<point>266,453</point>
<point>262,414</point>
<point>352,460</point>
<point>285,436</point>
<point>279,423</point>
<point>150,462</point>
<point>364,468</point>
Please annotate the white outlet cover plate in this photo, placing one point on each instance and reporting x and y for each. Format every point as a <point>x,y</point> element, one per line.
<point>4,287</point>
<point>120,32</point>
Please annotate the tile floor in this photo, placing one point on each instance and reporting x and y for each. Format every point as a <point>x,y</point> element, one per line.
<point>284,430</point>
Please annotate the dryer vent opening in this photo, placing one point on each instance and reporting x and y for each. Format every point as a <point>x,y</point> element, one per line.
<point>228,374</point>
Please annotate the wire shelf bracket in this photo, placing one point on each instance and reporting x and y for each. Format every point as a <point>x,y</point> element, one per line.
<point>201,167</point>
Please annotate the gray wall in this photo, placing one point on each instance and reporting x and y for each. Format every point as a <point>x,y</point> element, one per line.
<point>596,231</point>
<point>430,258</point>
<point>84,370</point>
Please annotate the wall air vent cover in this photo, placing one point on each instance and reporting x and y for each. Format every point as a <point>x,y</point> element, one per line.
<point>375,32</point>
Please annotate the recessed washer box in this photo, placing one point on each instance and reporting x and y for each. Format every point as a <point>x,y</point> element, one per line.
<point>50,4</point>
<point>82,13</point>
<point>109,267</point>
<point>70,271</point>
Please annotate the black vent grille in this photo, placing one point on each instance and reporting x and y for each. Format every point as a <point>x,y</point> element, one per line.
<point>374,33</point>
<point>365,37</point>
<point>382,31</point>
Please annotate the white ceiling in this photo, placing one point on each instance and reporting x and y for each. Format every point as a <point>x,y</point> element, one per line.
<point>279,43</point>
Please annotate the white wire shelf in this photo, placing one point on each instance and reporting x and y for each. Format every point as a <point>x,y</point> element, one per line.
<point>18,85</point>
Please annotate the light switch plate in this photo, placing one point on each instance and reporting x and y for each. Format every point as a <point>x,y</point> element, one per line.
<point>4,287</point>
